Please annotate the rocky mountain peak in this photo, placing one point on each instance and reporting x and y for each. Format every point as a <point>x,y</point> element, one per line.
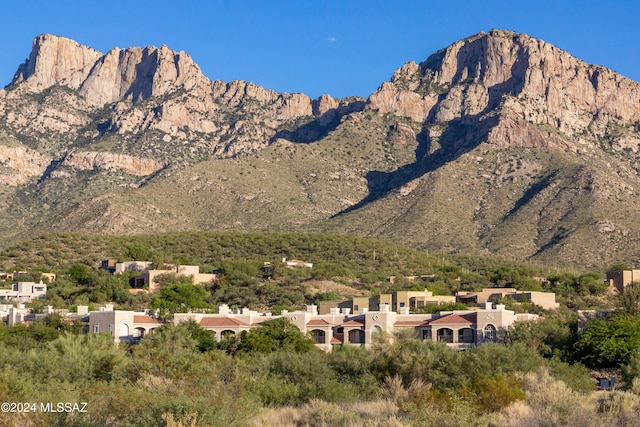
<point>504,72</point>
<point>134,73</point>
<point>56,60</point>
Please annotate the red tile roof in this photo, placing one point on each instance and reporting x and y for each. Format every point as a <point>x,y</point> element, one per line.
<point>146,319</point>
<point>221,321</point>
<point>353,323</point>
<point>318,322</point>
<point>335,340</point>
<point>455,319</point>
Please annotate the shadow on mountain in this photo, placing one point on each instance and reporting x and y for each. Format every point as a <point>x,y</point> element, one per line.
<point>531,193</point>
<point>321,126</point>
<point>461,135</point>
<point>456,140</point>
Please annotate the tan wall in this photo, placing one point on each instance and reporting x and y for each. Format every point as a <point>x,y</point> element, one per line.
<point>622,279</point>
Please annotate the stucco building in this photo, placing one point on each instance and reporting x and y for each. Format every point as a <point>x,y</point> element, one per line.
<point>122,326</point>
<point>459,329</point>
<point>546,300</point>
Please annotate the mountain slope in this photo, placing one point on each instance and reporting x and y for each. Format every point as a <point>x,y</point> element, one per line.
<point>499,143</point>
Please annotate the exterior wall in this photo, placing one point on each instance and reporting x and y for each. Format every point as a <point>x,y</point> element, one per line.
<point>24,292</point>
<point>204,278</point>
<point>499,318</point>
<point>120,325</point>
<point>458,329</point>
<point>148,278</point>
<point>121,267</point>
<point>417,299</point>
<point>622,279</point>
<point>546,300</point>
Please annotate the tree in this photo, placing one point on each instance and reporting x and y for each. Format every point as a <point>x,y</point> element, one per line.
<point>273,335</point>
<point>618,267</point>
<point>179,298</point>
<point>609,343</point>
<point>629,299</point>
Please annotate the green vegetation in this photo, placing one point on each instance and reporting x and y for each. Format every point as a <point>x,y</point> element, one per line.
<point>182,374</point>
<point>353,265</point>
<point>180,371</point>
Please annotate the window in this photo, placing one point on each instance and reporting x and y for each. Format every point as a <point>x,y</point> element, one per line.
<point>96,329</point>
<point>490,333</point>
<point>355,307</point>
<point>401,304</point>
<point>318,336</point>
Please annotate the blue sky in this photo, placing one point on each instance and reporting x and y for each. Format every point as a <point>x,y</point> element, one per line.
<point>320,46</point>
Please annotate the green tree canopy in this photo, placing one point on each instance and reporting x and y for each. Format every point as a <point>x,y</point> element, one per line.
<point>273,335</point>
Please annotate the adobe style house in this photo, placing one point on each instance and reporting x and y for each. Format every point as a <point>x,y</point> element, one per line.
<point>122,326</point>
<point>24,292</point>
<point>459,329</point>
<point>621,279</point>
<point>121,267</point>
<point>546,300</point>
<point>397,301</point>
<point>22,315</point>
<point>149,277</point>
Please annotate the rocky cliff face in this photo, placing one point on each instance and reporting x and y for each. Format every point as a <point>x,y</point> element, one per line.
<point>91,160</point>
<point>500,143</point>
<point>83,97</point>
<point>522,80</point>
<point>19,164</point>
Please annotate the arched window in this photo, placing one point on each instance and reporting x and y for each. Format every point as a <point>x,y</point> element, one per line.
<point>490,333</point>
<point>376,331</point>
<point>445,335</point>
<point>228,334</point>
<point>319,336</point>
<point>356,336</point>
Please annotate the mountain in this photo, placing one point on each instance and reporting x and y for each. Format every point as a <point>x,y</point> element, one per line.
<point>500,143</point>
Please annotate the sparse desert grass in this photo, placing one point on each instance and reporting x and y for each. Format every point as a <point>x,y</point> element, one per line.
<point>317,413</point>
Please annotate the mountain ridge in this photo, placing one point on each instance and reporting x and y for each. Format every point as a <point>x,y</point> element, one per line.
<point>497,143</point>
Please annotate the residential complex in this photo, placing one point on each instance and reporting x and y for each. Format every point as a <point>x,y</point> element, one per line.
<point>459,329</point>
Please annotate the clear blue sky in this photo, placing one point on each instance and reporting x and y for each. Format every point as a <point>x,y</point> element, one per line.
<point>320,46</point>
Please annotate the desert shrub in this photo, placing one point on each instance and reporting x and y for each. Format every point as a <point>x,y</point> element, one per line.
<point>549,402</point>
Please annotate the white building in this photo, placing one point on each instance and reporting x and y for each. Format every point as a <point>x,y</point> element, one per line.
<point>24,292</point>
<point>125,326</point>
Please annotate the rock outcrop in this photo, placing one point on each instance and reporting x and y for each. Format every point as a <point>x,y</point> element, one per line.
<point>56,61</point>
<point>534,81</point>
<point>92,160</point>
<point>148,89</point>
<point>19,164</point>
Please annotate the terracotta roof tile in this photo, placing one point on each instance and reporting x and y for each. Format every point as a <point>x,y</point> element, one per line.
<point>455,319</point>
<point>318,322</point>
<point>335,340</point>
<point>221,321</point>
<point>146,319</point>
<point>353,323</point>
